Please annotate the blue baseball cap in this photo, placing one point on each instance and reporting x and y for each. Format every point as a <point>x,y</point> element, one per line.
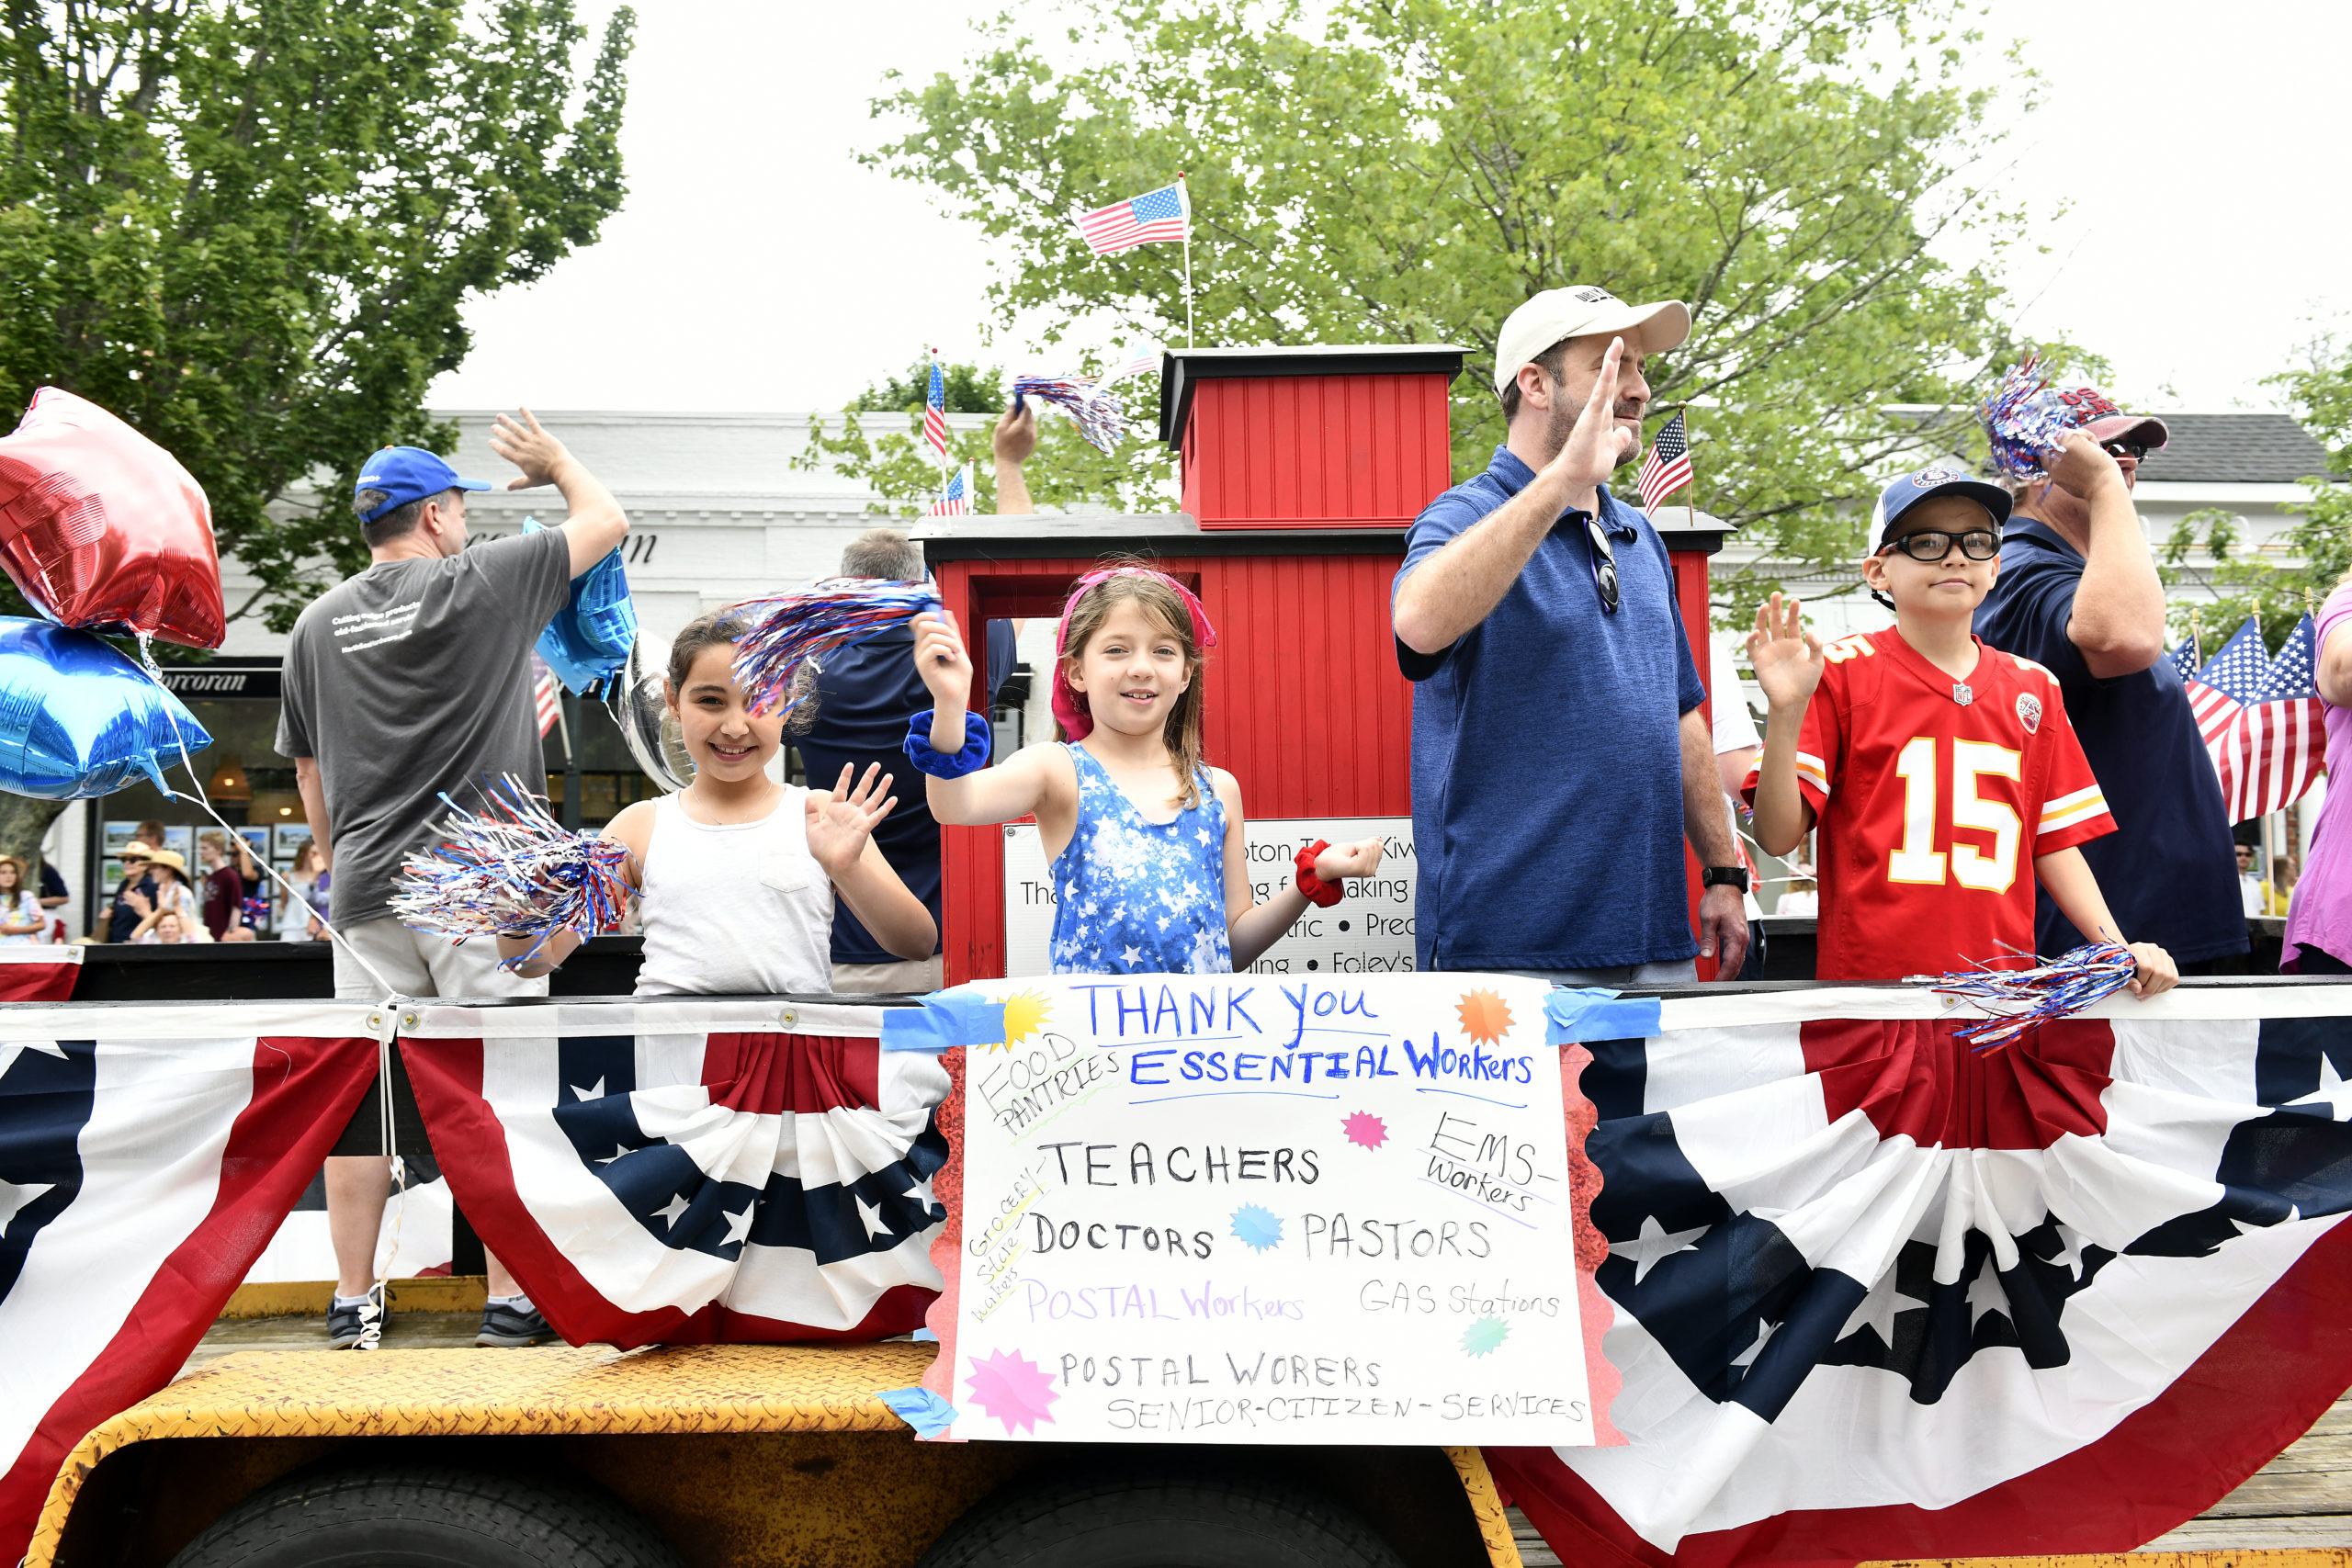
<point>1925,485</point>
<point>406,474</point>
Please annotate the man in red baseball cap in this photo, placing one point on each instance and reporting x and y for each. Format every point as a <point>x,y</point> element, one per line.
<point>2078,593</point>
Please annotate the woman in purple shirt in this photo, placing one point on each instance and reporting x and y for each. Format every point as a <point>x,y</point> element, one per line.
<point>2319,925</point>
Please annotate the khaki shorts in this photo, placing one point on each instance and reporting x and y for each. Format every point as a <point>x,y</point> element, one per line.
<point>910,977</point>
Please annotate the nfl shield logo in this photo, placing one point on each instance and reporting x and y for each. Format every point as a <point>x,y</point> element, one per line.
<point>2030,712</point>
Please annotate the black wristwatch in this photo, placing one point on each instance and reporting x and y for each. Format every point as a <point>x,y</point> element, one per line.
<point>1724,876</point>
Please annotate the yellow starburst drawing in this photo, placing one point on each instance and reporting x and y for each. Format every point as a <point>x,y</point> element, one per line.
<point>1485,1017</point>
<point>1024,1012</point>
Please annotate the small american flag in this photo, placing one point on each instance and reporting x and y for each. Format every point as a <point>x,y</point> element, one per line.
<point>935,412</point>
<point>1147,219</point>
<point>2220,690</point>
<point>1134,364</point>
<point>2185,660</point>
<point>2278,748</point>
<point>955,496</point>
<point>1668,467</point>
<point>544,693</point>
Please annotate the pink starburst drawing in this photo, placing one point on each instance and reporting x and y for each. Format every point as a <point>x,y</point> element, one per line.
<point>1364,1130</point>
<point>1011,1389</point>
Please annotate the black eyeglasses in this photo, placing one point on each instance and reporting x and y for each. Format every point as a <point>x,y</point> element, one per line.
<point>2135,450</point>
<point>1604,563</point>
<point>1931,544</point>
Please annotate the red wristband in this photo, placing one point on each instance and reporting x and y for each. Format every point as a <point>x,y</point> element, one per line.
<point>1321,894</point>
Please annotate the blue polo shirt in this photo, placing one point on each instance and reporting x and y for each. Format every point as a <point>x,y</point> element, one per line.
<point>1547,759</point>
<point>2169,870</point>
<point>866,694</point>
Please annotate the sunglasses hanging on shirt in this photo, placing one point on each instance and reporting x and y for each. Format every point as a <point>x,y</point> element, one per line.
<point>1604,563</point>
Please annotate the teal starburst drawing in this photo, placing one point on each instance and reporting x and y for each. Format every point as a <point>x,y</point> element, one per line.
<point>1481,1337</point>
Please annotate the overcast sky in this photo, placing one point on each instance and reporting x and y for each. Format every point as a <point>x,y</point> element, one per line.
<point>757,266</point>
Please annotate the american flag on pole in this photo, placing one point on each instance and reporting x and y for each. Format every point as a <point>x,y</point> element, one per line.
<point>955,496</point>
<point>1134,364</point>
<point>2229,681</point>
<point>2278,748</point>
<point>935,412</point>
<point>1668,467</point>
<point>2184,659</point>
<point>544,693</point>
<point>1155,216</point>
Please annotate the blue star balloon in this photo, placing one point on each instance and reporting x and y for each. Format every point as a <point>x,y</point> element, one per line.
<point>77,720</point>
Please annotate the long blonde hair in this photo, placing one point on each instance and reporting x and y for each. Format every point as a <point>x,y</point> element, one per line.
<point>1182,731</point>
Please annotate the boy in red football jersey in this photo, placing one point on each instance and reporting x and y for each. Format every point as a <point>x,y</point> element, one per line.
<point>1943,774</point>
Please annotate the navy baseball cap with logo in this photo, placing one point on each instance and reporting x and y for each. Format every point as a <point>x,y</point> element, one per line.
<point>406,474</point>
<point>1925,485</point>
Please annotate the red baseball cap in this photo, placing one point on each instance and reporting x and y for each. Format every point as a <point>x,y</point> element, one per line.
<point>2097,416</point>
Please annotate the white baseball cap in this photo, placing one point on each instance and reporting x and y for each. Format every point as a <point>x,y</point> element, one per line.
<point>1584,310</point>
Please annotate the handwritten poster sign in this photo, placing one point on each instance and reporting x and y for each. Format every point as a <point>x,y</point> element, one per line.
<point>1369,931</point>
<point>1251,1209</point>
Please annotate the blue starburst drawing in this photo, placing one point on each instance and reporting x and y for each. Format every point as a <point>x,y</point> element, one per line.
<point>1258,1229</point>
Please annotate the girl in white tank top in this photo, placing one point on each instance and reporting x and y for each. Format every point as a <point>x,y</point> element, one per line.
<point>736,874</point>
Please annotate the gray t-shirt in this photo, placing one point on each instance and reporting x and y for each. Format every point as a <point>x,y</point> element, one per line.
<point>412,679</point>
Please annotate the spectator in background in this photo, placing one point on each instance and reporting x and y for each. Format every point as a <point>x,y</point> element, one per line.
<point>168,927</point>
<point>229,877</point>
<point>2252,900</point>
<point>167,874</point>
<point>2280,895</point>
<point>312,882</point>
<point>1802,897</point>
<point>866,694</point>
<point>2078,595</point>
<point>2319,926</point>
<point>54,895</point>
<point>134,895</point>
<point>22,920</point>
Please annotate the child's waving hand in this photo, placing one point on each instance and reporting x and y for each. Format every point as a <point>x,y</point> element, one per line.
<point>945,668</point>
<point>841,823</point>
<point>1349,859</point>
<point>1784,653</point>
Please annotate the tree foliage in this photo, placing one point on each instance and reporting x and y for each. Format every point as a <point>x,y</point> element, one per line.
<point>889,454</point>
<point>2314,552</point>
<point>1409,171</point>
<point>249,227</point>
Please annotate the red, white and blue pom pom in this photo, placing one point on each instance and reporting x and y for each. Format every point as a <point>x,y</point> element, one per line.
<point>2025,999</point>
<point>2026,421</point>
<point>789,630</point>
<point>512,867</point>
<point>1100,416</point>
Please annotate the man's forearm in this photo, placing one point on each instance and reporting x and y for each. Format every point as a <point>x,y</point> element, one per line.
<point>2119,618</point>
<point>1460,585</point>
<point>1705,822</point>
<point>1012,491</point>
<point>596,525</point>
<point>313,792</point>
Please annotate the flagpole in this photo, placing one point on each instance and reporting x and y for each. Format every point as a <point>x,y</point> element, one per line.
<point>1189,341</point>
<point>1691,490</point>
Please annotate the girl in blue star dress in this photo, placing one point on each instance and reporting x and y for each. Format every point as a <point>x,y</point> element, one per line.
<point>1146,839</point>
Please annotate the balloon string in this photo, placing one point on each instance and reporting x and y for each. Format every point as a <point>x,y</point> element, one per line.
<point>392,997</point>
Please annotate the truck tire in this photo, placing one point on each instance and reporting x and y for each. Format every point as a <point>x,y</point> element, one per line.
<point>427,1517</point>
<point>1191,1522</point>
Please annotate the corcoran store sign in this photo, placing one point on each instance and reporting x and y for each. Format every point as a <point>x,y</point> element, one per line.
<point>203,682</point>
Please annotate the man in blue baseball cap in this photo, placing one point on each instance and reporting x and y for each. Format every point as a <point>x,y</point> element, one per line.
<point>407,682</point>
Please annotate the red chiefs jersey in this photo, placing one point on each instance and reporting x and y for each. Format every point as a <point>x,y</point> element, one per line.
<point>1933,798</point>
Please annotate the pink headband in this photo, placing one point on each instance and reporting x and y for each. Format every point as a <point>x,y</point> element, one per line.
<point>1069,705</point>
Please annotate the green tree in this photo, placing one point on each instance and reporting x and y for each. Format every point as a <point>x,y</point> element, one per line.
<point>2316,550</point>
<point>249,228</point>
<point>889,455</point>
<point>1410,170</point>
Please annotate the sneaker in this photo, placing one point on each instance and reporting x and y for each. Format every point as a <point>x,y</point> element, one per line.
<point>503,1327</point>
<point>358,1326</point>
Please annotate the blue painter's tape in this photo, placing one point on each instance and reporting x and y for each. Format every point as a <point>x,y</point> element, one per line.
<point>1573,1017</point>
<point>946,1019</point>
<point>919,1407</point>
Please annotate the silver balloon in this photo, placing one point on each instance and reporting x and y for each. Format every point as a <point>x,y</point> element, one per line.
<point>633,696</point>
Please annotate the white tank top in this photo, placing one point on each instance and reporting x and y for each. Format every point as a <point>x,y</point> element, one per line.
<point>742,906</point>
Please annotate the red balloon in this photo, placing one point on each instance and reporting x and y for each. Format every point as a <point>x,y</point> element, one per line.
<point>100,527</point>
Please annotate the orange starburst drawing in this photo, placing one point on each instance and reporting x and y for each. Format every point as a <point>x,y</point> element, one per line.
<point>1485,1019</point>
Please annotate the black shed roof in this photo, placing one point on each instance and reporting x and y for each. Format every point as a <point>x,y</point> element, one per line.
<point>2235,448</point>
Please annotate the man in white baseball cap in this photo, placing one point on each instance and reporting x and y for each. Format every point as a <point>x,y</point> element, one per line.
<point>1559,751</point>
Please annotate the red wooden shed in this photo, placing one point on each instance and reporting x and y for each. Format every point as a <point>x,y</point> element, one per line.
<point>1300,470</point>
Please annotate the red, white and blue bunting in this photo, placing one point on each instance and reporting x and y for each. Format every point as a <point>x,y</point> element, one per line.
<point>683,1171</point>
<point>147,1153</point>
<point>1879,1295</point>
